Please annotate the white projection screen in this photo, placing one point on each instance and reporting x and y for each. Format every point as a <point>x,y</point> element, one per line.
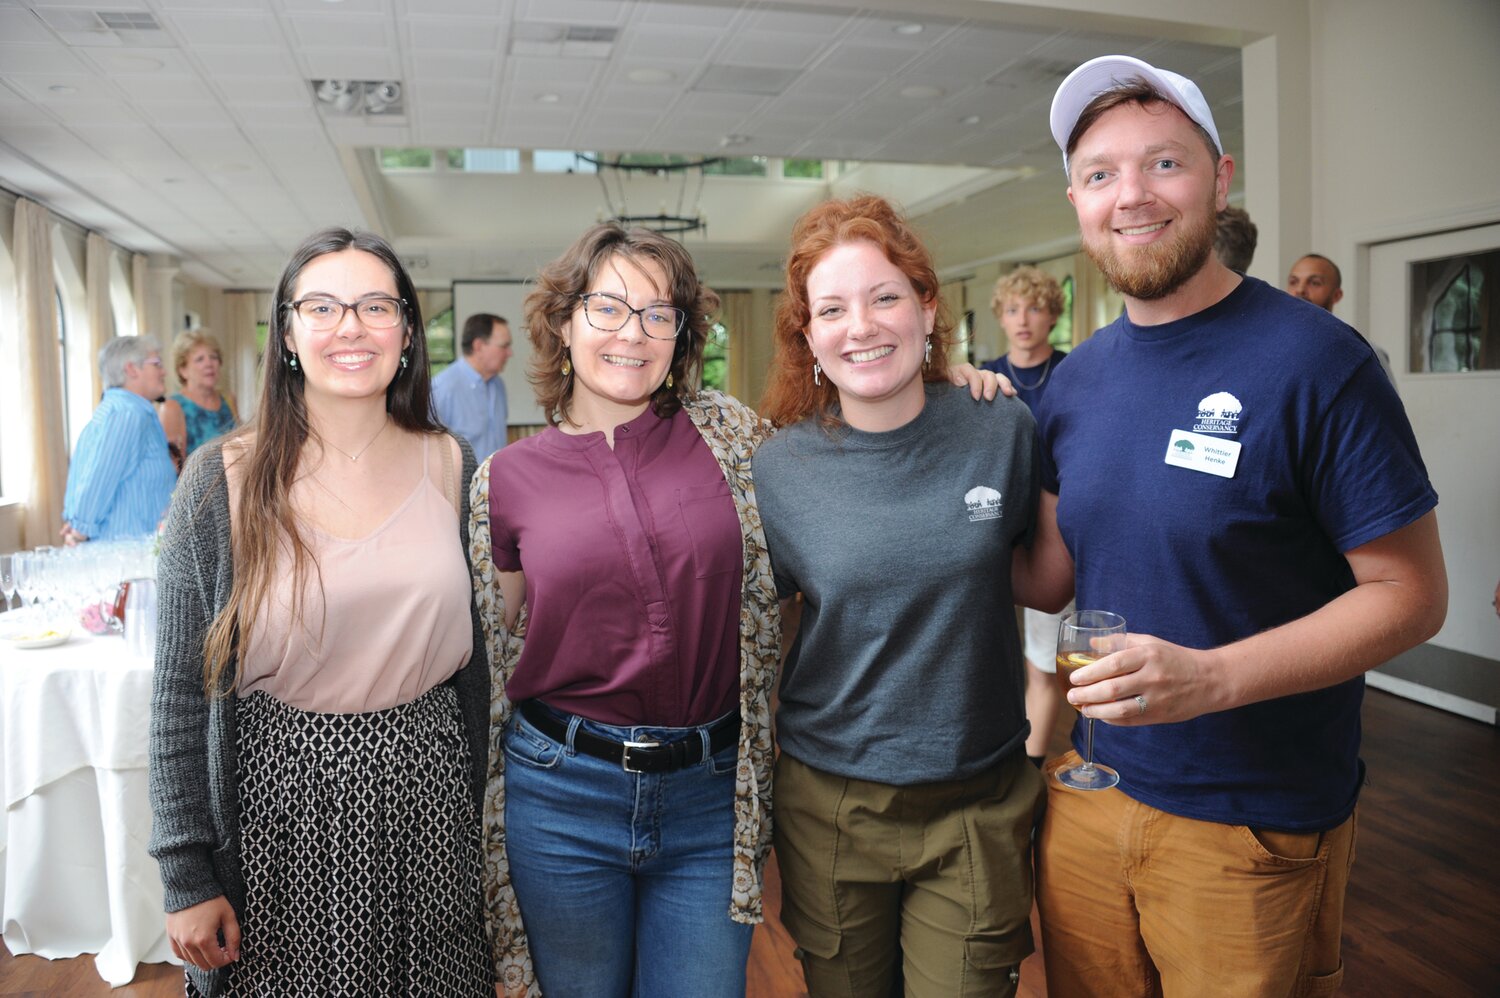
<point>502,298</point>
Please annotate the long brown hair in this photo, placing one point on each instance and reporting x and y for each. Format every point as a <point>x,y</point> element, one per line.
<point>265,520</point>
<point>551,306</point>
<point>790,394</point>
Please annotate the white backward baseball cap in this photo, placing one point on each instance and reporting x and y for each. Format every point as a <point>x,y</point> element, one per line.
<point>1107,72</point>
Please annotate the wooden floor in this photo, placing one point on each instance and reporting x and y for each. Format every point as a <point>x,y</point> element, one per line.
<point>1423,910</point>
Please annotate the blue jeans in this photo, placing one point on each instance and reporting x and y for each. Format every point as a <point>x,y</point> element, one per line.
<point>623,879</point>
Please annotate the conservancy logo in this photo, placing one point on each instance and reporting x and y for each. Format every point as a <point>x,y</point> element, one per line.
<point>982,502</point>
<point>1218,413</point>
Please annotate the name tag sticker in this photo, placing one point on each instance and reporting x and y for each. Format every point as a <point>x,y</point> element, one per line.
<point>1201,452</point>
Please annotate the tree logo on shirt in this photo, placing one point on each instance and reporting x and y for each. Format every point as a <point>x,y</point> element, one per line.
<point>983,503</point>
<point>1218,413</point>
<point>1184,445</point>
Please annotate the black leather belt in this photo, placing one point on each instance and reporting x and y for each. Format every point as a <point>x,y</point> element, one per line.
<point>635,757</point>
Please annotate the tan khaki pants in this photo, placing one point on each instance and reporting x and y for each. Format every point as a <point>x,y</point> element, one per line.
<point>1138,902</point>
<point>929,885</point>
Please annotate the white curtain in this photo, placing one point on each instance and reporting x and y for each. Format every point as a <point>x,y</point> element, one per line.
<point>241,356</point>
<point>41,374</point>
<point>138,291</point>
<point>101,310</point>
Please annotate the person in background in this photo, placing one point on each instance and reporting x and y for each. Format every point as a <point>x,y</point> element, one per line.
<point>121,476</point>
<point>469,397</point>
<point>1235,238</point>
<point>1317,279</point>
<point>200,411</point>
<point>320,703</point>
<point>1028,302</point>
<point>893,503</point>
<point>1235,477</point>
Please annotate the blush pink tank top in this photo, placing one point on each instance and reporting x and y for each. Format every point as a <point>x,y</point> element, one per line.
<point>390,622</point>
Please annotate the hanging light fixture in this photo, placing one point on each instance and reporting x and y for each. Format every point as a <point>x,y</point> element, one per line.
<point>618,176</point>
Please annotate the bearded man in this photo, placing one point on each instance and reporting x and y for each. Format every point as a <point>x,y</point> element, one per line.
<point>1229,469</point>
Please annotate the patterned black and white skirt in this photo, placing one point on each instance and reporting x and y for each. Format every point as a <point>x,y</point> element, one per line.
<point>361,853</point>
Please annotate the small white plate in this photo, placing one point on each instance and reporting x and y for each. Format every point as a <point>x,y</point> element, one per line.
<point>48,641</point>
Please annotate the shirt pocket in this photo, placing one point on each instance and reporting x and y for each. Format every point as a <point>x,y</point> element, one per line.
<point>712,527</point>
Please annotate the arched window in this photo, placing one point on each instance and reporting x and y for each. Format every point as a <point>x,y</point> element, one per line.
<point>1456,314</point>
<point>1453,342</point>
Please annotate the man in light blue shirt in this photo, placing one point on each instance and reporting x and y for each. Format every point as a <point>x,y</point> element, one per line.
<point>121,476</point>
<point>469,397</point>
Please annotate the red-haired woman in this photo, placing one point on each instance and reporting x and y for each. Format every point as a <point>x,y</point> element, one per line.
<point>894,503</point>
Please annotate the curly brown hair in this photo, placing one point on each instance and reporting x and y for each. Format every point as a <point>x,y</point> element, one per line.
<point>1029,284</point>
<point>790,393</point>
<point>557,296</point>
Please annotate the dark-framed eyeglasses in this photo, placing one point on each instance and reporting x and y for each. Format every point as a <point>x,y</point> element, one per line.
<point>322,314</point>
<point>609,313</point>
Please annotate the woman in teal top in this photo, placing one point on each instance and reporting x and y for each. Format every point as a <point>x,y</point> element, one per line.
<point>200,411</point>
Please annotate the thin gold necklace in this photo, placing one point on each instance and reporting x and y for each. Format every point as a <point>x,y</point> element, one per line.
<point>359,453</point>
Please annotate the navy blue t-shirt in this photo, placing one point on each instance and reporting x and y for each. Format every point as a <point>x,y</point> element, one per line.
<point>1031,382</point>
<point>1327,462</point>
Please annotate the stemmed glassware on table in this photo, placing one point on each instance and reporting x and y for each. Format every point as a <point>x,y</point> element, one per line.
<point>1084,637</point>
<point>7,580</point>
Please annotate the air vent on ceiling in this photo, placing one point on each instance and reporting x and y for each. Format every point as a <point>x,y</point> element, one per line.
<point>762,81</point>
<point>576,41</point>
<point>1028,73</point>
<point>128,20</point>
<point>104,28</point>
<point>589,33</point>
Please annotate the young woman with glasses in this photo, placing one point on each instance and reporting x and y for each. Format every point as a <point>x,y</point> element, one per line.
<point>320,713</point>
<point>632,624</point>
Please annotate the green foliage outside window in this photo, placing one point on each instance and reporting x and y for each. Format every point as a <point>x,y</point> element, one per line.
<point>716,358</point>
<point>802,169</point>
<point>407,159</point>
<point>1061,336</point>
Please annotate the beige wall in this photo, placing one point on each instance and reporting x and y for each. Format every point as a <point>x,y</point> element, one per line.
<point>1396,158</point>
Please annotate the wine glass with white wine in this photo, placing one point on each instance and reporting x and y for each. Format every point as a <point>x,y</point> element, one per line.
<point>1084,637</point>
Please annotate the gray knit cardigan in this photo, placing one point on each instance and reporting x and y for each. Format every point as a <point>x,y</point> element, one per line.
<point>194,800</point>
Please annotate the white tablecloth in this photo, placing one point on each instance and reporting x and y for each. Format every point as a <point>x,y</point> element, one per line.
<point>77,879</point>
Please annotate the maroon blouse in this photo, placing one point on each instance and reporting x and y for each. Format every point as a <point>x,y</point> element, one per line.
<point>633,571</point>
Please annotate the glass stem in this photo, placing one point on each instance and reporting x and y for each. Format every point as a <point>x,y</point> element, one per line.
<point>1088,762</point>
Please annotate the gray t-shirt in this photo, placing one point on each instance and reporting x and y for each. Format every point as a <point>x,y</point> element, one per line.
<point>907,665</point>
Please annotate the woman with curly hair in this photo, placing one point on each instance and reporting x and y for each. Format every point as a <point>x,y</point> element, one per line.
<point>896,506</point>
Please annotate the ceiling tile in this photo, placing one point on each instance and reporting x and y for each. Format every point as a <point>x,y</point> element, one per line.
<point>792,21</point>
<point>695,15</point>
<point>21,26</point>
<point>265,90</point>
<point>601,12</point>
<point>675,44</point>
<point>337,31</point>
<point>455,34</point>
<point>227,29</point>
<point>453,66</point>
<point>355,64</point>
<point>250,62</point>
<point>765,49</point>
<point>34,60</point>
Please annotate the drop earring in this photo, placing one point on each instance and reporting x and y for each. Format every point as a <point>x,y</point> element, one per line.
<point>816,371</point>
<point>927,353</point>
<point>293,362</point>
<point>669,379</point>
<point>567,367</point>
<point>403,362</point>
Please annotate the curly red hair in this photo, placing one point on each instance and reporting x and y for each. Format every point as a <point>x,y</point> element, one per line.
<point>790,394</point>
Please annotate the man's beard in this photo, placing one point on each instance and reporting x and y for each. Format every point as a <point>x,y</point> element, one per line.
<point>1148,273</point>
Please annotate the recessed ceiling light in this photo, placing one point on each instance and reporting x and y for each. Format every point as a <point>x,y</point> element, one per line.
<point>733,139</point>
<point>62,88</point>
<point>547,98</point>
<point>922,91</point>
<point>650,74</point>
<point>909,28</point>
<point>972,119</point>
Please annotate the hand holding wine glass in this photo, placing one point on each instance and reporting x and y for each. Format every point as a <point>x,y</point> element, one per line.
<point>1084,637</point>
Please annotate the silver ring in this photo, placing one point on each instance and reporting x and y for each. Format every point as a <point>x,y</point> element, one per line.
<point>1140,702</point>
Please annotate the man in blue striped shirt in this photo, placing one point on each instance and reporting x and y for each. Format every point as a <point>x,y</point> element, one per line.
<point>469,397</point>
<point>121,477</point>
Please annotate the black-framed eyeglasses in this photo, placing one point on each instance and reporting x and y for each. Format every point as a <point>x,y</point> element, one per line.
<point>323,314</point>
<point>609,313</point>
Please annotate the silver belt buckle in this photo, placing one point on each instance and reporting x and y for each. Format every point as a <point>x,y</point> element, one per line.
<point>625,755</point>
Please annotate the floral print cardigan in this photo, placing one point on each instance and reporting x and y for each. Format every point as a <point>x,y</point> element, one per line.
<point>732,431</point>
